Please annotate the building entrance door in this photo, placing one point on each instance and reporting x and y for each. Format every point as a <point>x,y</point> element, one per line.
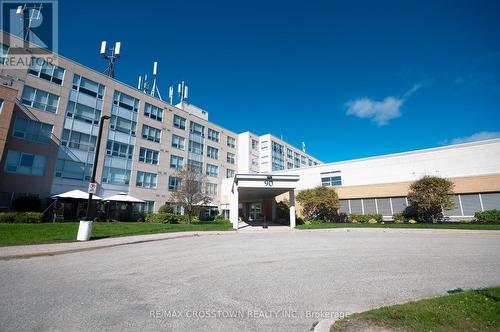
<point>255,211</point>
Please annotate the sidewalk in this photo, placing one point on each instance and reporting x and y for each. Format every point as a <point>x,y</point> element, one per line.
<point>52,249</point>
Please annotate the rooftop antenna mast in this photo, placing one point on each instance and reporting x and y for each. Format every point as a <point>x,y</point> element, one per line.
<point>29,14</point>
<point>303,146</point>
<point>114,54</point>
<point>182,91</point>
<point>155,85</point>
<point>171,94</point>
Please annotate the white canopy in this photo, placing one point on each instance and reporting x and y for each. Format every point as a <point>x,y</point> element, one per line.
<point>123,197</point>
<point>76,194</point>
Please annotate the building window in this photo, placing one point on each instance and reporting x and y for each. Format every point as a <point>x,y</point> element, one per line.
<point>212,170</point>
<point>117,176</point>
<point>212,152</point>
<point>40,68</point>
<point>122,125</point>
<point>77,140</point>
<point>230,173</point>
<point>25,163</point>
<point>195,147</point>
<point>196,129</point>
<point>179,122</point>
<point>231,142</point>
<point>148,156</point>
<point>195,166</point>
<point>255,144</point>
<point>151,134</point>
<point>213,135</point>
<point>32,130</point>
<point>289,153</point>
<point>289,165</point>
<point>147,207</point>
<point>125,101</point>
<point>303,160</point>
<point>211,189</point>
<point>121,150</point>
<point>146,180</point>
<point>153,112</point>
<point>88,87</point>
<point>173,182</point>
<point>68,169</point>
<point>178,142</point>
<point>331,179</point>
<point>231,158</point>
<point>176,162</point>
<point>40,99</point>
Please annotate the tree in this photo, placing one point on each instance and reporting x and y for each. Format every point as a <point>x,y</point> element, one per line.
<point>428,197</point>
<point>190,193</point>
<point>319,203</point>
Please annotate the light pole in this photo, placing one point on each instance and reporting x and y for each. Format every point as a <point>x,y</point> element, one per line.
<point>85,228</point>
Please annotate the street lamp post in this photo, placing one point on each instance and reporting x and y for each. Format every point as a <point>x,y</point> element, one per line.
<point>85,228</point>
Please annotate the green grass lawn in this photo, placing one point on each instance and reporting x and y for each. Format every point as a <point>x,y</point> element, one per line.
<point>15,234</point>
<point>436,226</point>
<point>475,310</point>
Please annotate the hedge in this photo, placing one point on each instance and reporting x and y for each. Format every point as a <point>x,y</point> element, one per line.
<point>21,217</point>
<point>488,216</point>
<point>165,218</point>
<point>364,218</point>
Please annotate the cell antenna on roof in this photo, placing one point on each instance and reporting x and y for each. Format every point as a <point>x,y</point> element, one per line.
<point>31,17</point>
<point>182,91</point>
<point>171,94</point>
<point>154,89</point>
<point>303,146</point>
<point>112,57</point>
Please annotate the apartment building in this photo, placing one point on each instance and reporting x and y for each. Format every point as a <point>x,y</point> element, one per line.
<point>267,153</point>
<point>50,117</point>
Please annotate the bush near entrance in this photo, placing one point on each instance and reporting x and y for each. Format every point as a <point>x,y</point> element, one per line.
<point>364,218</point>
<point>21,217</point>
<point>320,203</point>
<point>428,197</point>
<point>488,216</point>
<point>165,218</point>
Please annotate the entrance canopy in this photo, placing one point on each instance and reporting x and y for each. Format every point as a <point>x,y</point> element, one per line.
<point>262,186</point>
<point>255,187</point>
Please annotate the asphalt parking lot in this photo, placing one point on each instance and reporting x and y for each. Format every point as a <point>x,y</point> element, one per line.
<point>276,281</point>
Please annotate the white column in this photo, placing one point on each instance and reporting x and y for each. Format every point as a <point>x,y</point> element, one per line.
<point>273,210</point>
<point>233,207</point>
<point>292,208</point>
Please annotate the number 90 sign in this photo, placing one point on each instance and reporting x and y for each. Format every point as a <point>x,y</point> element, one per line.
<point>268,183</point>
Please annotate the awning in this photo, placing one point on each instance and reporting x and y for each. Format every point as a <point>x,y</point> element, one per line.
<point>123,197</point>
<point>76,194</point>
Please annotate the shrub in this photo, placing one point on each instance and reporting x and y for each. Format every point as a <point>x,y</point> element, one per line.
<point>21,217</point>
<point>165,218</point>
<point>27,204</point>
<point>412,221</point>
<point>372,221</point>
<point>399,221</point>
<point>340,218</point>
<point>488,216</point>
<point>319,203</point>
<point>364,218</point>
<point>165,208</point>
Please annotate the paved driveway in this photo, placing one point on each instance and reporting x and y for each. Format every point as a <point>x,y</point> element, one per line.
<point>280,281</point>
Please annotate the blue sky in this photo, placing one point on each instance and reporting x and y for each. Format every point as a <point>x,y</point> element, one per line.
<point>350,78</point>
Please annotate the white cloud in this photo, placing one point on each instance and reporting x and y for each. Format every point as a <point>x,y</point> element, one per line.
<point>482,135</point>
<point>381,112</point>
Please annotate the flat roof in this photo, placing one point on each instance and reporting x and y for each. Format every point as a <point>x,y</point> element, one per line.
<point>398,154</point>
